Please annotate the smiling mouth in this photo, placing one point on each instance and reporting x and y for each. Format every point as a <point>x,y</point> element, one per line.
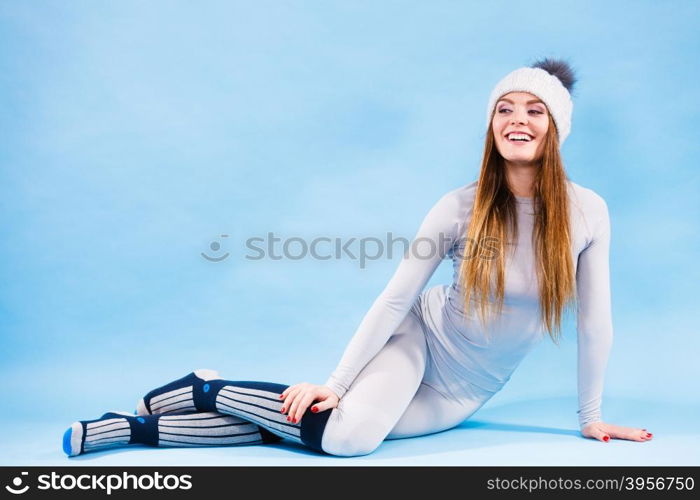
<point>518,143</point>
<point>520,139</point>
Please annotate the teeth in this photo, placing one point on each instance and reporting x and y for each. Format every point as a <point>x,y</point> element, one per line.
<point>514,137</point>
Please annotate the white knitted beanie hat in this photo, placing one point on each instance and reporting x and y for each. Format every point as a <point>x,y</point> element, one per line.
<point>551,80</point>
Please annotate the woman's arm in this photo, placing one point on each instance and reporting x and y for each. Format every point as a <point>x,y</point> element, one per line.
<point>594,317</point>
<point>436,235</point>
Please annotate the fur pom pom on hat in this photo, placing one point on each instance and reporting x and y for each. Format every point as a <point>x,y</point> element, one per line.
<point>551,80</point>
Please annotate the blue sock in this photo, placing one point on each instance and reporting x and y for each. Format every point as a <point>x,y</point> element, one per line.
<point>116,429</point>
<point>257,402</point>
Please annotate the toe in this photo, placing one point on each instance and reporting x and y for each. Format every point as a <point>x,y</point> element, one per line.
<point>72,439</point>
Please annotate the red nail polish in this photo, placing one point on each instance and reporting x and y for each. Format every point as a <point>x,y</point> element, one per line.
<point>314,409</point>
<point>294,420</point>
<point>289,419</point>
<point>282,410</point>
<point>606,438</point>
<point>649,434</point>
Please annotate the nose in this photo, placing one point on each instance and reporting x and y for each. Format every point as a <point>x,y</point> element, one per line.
<point>519,116</point>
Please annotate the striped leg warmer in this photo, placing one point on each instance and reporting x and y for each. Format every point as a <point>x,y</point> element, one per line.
<point>116,429</point>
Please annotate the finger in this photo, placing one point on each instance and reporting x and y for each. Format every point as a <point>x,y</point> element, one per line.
<point>285,392</point>
<point>325,404</point>
<point>285,399</point>
<point>293,407</point>
<point>289,400</point>
<point>303,405</point>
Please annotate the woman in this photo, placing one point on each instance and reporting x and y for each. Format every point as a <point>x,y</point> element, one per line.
<point>527,241</point>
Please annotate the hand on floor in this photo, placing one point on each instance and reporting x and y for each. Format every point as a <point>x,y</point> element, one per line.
<point>298,397</point>
<point>604,432</point>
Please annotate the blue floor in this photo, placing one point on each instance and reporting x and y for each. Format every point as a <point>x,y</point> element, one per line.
<point>515,433</point>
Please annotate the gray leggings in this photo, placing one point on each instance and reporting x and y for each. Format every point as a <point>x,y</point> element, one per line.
<point>394,396</point>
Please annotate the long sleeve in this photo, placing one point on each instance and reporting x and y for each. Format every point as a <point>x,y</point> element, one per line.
<point>594,318</point>
<point>435,236</point>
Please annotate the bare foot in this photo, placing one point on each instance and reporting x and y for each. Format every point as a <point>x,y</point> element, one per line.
<point>604,432</point>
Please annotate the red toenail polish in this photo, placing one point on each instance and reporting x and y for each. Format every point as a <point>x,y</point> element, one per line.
<point>314,409</point>
<point>294,420</point>
<point>282,410</point>
<point>648,434</point>
<point>606,438</point>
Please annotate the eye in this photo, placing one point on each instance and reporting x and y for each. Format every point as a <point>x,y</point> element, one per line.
<point>503,110</point>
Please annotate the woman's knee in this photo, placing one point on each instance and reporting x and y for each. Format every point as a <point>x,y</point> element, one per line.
<point>354,433</point>
<point>354,442</point>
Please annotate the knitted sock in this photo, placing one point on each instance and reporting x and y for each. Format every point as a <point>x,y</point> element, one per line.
<point>257,402</point>
<point>115,429</point>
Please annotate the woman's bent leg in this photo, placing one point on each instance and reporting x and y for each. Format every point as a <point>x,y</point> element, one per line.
<point>254,401</point>
<point>380,393</point>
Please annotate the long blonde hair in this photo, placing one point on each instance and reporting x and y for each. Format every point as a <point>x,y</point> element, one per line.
<point>494,213</point>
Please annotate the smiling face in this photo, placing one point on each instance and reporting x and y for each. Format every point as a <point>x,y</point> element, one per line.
<point>525,113</point>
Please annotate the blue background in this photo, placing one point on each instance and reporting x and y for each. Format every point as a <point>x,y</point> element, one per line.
<point>134,134</point>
